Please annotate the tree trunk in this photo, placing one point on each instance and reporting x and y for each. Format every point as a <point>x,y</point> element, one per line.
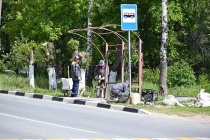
<point>89,48</point>
<point>50,63</point>
<point>115,66</point>
<point>163,49</point>
<point>31,61</point>
<point>31,69</point>
<point>59,61</point>
<point>117,61</point>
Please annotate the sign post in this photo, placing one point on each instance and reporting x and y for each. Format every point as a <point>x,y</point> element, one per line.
<point>0,10</point>
<point>129,23</point>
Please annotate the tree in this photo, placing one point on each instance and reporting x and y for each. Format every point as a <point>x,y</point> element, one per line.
<point>22,57</point>
<point>5,40</point>
<point>89,46</point>
<point>163,50</point>
<point>46,20</point>
<point>49,20</point>
<point>0,10</point>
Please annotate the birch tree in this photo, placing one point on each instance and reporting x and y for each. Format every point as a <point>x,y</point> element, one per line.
<point>50,65</point>
<point>31,68</point>
<point>163,50</point>
<point>89,47</point>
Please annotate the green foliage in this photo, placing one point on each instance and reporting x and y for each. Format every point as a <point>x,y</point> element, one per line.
<point>19,56</point>
<point>179,74</point>
<point>151,75</point>
<point>3,67</point>
<point>39,55</point>
<point>85,60</point>
<point>185,90</point>
<point>90,92</point>
<point>42,83</point>
<point>72,45</point>
<point>204,79</point>
<point>12,81</point>
<point>19,83</point>
<point>44,20</point>
<point>149,85</point>
<point>50,92</point>
<point>179,111</point>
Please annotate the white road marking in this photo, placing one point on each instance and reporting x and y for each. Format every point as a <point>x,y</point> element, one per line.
<point>47,123</point>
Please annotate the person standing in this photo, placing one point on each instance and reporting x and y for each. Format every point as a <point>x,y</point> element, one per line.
<point>76,76</point>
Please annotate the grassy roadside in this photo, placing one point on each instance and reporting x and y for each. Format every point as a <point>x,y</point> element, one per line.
<point>20,83</point>
<point>179,111</point>
<point>186,111</point>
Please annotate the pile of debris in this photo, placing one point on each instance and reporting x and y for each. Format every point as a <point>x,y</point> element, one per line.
<point>150,96</point>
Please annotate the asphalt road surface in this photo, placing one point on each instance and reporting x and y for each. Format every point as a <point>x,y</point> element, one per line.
<point>26,118</point>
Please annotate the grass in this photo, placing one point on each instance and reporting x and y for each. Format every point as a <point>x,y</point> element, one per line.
<point>177,110</point>
<point>173,110</point>
<point>21,83</point>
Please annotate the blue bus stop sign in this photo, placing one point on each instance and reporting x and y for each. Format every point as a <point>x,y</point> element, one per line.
<point>129,17</point>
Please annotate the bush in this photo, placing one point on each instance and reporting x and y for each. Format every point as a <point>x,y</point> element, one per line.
<point>180,74</point>
<point>13,81</point>
<point>3,67</point>
<point>90,92</point>
<point>151,75</point>
<point>185,90</point>
<point>204,79</point>
<point>42,82</point>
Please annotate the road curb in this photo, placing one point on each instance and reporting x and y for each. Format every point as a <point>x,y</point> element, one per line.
<point>79,101</point>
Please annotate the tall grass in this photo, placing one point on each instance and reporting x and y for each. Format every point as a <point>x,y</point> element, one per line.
<point>21,83</point>
<point>12,82</point>
<point>181,90</point>
<point>151,80</point>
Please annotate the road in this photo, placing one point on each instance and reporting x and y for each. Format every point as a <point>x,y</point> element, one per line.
<point>27,118</point>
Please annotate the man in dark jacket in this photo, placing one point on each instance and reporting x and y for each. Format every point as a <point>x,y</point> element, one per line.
<point>76,76</point>
<point>120,92</point>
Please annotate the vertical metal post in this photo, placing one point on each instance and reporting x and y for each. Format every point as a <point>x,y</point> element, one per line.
<point>122,61</point>
<point>68,83</point>
<point>106,72</point>
<point>140,66</point>
<point>0,10</point>
<point>129,63</point>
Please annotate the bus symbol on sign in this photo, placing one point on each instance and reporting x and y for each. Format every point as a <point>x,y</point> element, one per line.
<point>129,15</point>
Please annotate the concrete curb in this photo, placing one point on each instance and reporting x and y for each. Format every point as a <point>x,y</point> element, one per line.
<point>79,101</point>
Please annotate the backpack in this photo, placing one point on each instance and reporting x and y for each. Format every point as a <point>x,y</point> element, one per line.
<point>149,95</point>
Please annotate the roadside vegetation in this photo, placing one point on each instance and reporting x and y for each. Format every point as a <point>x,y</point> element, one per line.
<point>16,82</point>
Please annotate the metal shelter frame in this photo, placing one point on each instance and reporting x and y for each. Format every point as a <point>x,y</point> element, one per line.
<point>107,50</point>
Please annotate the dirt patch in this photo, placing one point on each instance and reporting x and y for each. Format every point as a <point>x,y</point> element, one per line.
<point>200,118</point>
<point>204,119</point>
